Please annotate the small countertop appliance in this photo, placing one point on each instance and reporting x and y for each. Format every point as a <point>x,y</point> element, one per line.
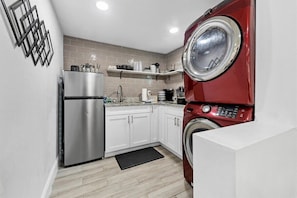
<point>180,95</point>
<point>169,94</point>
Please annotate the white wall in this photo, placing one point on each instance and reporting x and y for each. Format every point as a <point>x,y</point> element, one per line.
<point>276,60</point>
<point>28,112</point>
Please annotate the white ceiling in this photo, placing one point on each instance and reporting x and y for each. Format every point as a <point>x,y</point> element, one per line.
<point>138,24</point>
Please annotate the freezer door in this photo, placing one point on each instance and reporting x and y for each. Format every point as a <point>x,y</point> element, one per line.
<point>83,84</point>
<point>83,130</point>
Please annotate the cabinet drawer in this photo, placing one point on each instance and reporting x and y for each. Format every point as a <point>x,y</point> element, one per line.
<point>119,110</point>
<point>176,111</point>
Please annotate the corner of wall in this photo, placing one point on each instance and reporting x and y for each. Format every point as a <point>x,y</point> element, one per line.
<point>50,180</point>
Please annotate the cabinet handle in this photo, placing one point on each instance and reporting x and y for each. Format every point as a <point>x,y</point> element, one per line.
<point>131,119</point>
<point>177,123</point>
<point>174,121</point>
<point>128,119</point>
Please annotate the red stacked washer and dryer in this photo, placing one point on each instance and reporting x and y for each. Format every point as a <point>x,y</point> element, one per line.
<point>219,64</point>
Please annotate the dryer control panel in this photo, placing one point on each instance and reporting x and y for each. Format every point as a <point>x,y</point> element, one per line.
<point>220,111</point>
<point>228,111</point>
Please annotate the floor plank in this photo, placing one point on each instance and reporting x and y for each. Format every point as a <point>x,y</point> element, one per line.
<point>162,178</point>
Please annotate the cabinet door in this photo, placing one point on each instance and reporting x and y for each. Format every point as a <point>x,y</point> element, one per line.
<point>116,132</point>
<point>171,132</point>
<point>162,124</point>
<point>179,125</point>
<point>140,129</point>
<point>155,124</point>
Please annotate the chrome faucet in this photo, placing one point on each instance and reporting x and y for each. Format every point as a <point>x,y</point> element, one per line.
<point>120,93</point>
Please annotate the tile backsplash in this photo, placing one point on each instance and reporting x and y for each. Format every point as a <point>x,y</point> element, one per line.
<point>79,51</point>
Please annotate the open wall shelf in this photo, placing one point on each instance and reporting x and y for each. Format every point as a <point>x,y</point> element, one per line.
<point>143,73</point>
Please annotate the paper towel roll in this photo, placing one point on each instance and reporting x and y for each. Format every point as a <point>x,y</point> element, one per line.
<point>144,94</point>
<point>153,68</point>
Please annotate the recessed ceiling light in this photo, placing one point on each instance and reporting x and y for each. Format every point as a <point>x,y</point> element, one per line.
<point>102,5</point>
<point>173,30</point>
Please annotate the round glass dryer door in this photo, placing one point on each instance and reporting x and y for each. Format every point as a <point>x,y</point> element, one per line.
<point>212,48</point>
<point>195,126</point>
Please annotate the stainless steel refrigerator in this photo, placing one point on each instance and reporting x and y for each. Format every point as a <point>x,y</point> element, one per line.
<point>83,134</point>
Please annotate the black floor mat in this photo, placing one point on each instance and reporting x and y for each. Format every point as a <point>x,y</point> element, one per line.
<point>134,158</point>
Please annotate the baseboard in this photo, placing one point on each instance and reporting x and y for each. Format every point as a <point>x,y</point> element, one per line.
<point>111,154</point>
<point>50,180</point>
<point>172,151</point>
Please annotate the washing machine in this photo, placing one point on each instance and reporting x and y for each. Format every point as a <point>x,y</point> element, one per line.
<point>200,117</point>
<point>219,55</point>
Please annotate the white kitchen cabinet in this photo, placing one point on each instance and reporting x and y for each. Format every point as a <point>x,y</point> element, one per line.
<point>172,136</point>
<point>127,127</point>
<point>117,134</point>
<point>140,128</point>
<point>173,129</point>
<point>155,123</point>
<point>161,124</point>
<point>130,127</point>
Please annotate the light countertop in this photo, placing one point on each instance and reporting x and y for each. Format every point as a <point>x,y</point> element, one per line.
<point>142,103</point>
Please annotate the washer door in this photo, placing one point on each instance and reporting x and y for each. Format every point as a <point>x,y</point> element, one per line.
<point>212,48</point>
<point>195,126</point>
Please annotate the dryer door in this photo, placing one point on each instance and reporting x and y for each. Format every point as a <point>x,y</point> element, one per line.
<point>195,126</point>
<point>212,48</point>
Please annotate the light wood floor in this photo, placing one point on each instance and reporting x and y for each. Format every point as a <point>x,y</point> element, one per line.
<point>162,178</point>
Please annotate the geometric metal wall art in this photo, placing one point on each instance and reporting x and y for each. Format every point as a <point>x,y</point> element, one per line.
<point>29,32</point>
